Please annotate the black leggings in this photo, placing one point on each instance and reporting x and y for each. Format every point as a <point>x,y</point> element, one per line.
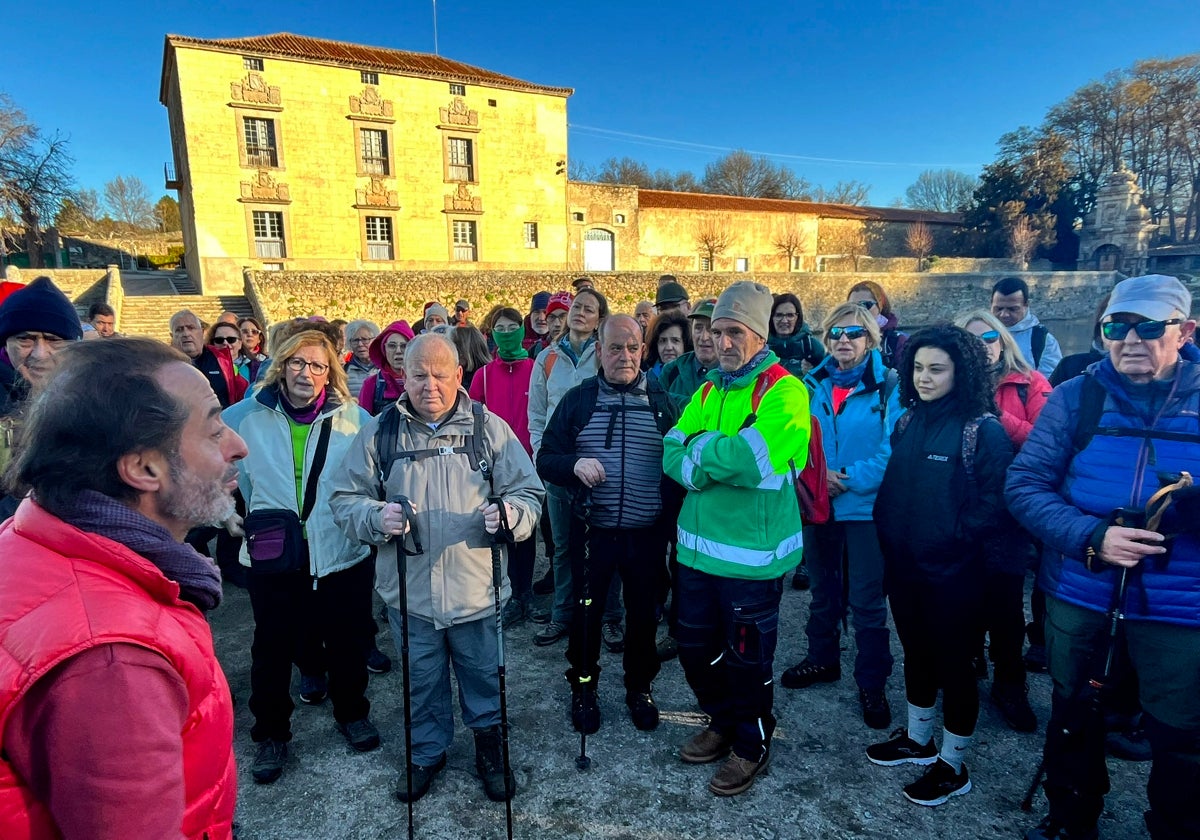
<point>938,627</point>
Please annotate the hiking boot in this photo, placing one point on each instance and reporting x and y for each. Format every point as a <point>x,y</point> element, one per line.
<point>800,580</point>
<point>513,613</point>
<point>1054,829</point>
<point>667,648</point>
<point>642,710</point>
<point>360,734</point>
<point>901,750</point>
<point>585,708</point>
<point>939,783</point>
<point>378,662</point>
<point>876,712</point>
<point>613,636</point>
<point>268,763</point>
<point>545,584</point>
<point>422,778</point>
<point>550,634</point>
<point>1129,744</point>
<point>313,690</point>
<point>705,746</point>
<point>807,672</point>
<point>535,613</point>
<point>1035,659</point>
<point>737,774</point>
<point>498,781</point>
<point>1013,704</point>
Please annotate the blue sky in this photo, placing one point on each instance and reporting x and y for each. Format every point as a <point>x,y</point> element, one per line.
<point>870,91</point>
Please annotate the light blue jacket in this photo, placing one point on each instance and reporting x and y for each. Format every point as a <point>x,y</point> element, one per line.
<point>857,440</point>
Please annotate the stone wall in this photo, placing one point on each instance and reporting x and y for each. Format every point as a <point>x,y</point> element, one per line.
<point>1064,300</point>
<point>83,286</point>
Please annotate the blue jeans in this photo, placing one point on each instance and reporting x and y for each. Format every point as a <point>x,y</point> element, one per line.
<point>472,649</point>
<point>727,631</point>
<point>824,548</point>
<point>558,503</point>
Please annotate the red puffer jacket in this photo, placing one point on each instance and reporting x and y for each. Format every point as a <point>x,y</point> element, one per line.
<point>1020,397</point>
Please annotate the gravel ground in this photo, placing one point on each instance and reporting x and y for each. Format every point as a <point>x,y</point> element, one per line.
<point>820,784</point>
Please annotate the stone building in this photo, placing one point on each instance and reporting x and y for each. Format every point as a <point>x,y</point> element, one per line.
<point>1116,235</point>
<point>300,153</point>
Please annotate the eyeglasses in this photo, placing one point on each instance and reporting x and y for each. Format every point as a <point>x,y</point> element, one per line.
<point>226,339</point>
<point>868,304</point>
<point>296,365</point>
<point>26,340</point>
<point>989,337</point>
<point>1146,330</point>
<point>360,340</point>
<point>250,331</point>
<point>786,316</point>
<point>849,333</point>
<point>505,328</point>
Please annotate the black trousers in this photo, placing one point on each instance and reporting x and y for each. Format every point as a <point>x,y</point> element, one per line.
<point>636,554</point>
<point>288,613</point>
<point>1004,621</point>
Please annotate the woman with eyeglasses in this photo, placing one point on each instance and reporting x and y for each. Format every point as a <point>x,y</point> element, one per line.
<point>855,399</point>
<point>299,423</point>
<point>871,296</point>
<point>790,338</point>
<point>386,352</point>
<point>224,341</point>
<point>254,350</point>
<point>358,365</point>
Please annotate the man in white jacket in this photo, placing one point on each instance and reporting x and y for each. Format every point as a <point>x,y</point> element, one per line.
<point>1010,304</point>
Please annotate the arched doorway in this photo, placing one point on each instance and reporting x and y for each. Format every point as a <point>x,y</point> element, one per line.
<point>598,250</point>
<point>1107,257</point>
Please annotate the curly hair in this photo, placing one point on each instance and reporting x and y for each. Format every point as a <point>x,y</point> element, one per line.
<point>660,324</point>
<point>972,374</point>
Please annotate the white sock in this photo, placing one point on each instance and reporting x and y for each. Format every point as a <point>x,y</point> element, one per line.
<point>920,724</point>
<point>954,747</point>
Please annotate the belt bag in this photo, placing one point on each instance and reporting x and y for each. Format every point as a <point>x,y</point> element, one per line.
<point>275,536</point>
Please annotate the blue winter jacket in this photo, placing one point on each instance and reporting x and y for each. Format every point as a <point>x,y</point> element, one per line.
<point>1062,497</point>
<point>857,440</point>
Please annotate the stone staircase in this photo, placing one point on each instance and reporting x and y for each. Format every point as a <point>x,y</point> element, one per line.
<point>151,314</point>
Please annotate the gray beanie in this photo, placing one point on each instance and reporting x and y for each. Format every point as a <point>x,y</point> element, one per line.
<point>748,303</point>
<point>435,309</point>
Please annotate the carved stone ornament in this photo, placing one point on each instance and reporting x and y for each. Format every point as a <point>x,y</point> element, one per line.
<point>265,188</point>
<point>377,195</point>
<point>459,114</point>
<point>463,201</point>
<point>370,104</point>
<point>253,89</point>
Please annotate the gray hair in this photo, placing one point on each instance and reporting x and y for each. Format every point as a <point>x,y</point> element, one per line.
<point>184,313</point>
<point>355,326</point>
<point>417,346</point>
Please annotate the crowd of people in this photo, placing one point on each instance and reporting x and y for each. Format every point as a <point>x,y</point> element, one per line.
<point>666,458</point>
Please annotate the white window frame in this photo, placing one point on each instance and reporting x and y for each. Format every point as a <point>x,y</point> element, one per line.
<point>380,236</point>
<point>464,240</point>
<point>531,234</point>
<point>269,234</point>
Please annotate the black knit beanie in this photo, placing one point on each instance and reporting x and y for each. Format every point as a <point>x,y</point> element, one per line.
<point>40,307</point>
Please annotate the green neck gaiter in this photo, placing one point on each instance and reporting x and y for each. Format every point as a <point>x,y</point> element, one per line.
<point>508,344</point>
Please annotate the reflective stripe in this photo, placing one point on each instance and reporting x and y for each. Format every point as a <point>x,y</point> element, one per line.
<point>696,450</point>
<point>687,469</point>
<point>758,447</point>
<point>736,553</point>
<point>676,435</point>
<point>775,482</point>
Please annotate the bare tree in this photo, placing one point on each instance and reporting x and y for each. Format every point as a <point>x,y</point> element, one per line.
<point>1023,239</point>
<point>941,190</point>
<point>34,174</point>
<point>791,240</point>
<point>844,192</point>
<point>713,236</point>
<point>919,240</point>
<point>846,238</point>
<point>129,201</point>
<point>744,174</point>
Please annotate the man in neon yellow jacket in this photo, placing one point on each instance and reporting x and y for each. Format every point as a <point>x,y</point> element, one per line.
<point>737,449</point>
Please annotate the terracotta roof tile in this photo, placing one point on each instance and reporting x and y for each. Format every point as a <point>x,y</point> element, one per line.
<point>708,201</point>
<point>359,57</point>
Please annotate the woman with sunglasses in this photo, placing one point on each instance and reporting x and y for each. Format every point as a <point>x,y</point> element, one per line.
<point>790,338</point>
<point>224,341</point>
<point>254,349</point>
<point>871,296</point>
<point>855,399</point>
<point>1020,394</point>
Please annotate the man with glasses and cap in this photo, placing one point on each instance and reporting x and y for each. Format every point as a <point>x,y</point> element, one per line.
<point>1083,484</point>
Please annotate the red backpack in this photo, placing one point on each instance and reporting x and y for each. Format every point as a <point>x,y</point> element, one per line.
<point>812,489</point>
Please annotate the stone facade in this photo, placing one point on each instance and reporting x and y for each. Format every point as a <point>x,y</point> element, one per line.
<point>1116,235</point>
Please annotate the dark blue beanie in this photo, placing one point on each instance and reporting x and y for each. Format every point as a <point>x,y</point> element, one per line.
<point>540,301</point>
<point>40,307</point>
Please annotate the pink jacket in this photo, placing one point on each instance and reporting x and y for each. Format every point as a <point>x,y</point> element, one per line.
<point>1017,416</point>
<point>504,388</point>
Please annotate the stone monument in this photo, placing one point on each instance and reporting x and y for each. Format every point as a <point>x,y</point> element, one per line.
<point>1116,234</point>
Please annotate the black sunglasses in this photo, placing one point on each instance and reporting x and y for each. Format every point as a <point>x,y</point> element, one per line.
<point>226,339</point>
<point>867,304</point>
<point>1146,330</point>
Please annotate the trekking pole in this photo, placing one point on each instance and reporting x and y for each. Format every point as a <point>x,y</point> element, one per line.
<point>503,534</point>
<point>402,569</point>
<point>582,762</point>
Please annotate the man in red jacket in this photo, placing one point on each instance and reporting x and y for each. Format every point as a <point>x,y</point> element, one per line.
<point>115,717</point>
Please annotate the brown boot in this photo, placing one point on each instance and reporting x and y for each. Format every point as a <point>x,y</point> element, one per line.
<point>708,745</point>
<point>737,774</point>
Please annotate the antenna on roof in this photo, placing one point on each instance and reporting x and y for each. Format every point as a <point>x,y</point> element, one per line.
<point>435,43</point>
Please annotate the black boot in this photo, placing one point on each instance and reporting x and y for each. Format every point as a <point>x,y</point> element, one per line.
<point>498,781</point>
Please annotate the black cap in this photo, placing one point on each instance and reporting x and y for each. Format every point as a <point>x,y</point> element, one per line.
<point>670,293</point>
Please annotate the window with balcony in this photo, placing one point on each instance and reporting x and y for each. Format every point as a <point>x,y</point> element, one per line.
<point>466,247</point>
<point>268,234</point>
<point>261,148</point>
<point>379,238</point>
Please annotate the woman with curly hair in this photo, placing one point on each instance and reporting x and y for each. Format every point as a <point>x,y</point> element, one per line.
<point>939,510</point>
<point>668,339</point>
<point>791,339</point>
<point>870,296</point>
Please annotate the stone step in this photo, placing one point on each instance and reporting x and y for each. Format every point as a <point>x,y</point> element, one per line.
<point>151,315</point>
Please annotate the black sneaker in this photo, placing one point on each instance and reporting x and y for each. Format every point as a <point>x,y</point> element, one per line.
<point>377,661</point>
<point>498,782</point>
<point>360,734</point>
<point>1053,829</point>
<point>313,690</point>
<point>902,750</point>
<point>876,712</point>
<point>939,783</point>
<point>666,648</point>
<point>1130,744</point>
<point>642,710</point>
<point>613,636</point>
<point>585,709</point>
<point>807,672</point>
<point>422,778</point>
<point>1013,704</point>
<point>800,580</point>
<point>545,584</point>
<point>268,763</point>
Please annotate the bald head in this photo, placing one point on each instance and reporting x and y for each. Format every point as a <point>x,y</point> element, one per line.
<point>432,376</point>
<point>620,342</point>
